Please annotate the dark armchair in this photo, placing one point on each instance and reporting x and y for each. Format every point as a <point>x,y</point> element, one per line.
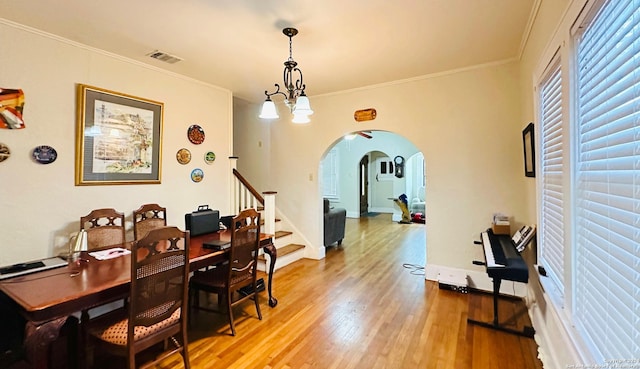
<point>334,224</point>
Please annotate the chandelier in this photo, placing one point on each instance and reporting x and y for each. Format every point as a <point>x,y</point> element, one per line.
<point>294,96</point>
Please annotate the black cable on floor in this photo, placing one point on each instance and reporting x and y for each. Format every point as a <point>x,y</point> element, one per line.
<point>415,269</point>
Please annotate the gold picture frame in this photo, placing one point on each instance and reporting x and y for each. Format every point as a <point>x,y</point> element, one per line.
<point>118,138</point>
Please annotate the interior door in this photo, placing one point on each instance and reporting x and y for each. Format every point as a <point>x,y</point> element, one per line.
<point>364,185</point>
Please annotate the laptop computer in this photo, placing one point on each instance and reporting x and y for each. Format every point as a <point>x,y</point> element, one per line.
<point>216,245</point>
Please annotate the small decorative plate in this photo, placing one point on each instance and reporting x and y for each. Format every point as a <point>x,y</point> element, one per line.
<point>209,157</point>
<point>195,134</point>
<point>44,154</point>
<point>4,152</point>
<point>197,175</point>
<point>183,156</point>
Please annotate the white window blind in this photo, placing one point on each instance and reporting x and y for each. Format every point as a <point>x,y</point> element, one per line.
<point>551,232</point>
<point>330,171</point>
<point>607,202</point>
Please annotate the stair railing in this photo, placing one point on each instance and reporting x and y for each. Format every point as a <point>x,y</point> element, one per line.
<point>244,196</point>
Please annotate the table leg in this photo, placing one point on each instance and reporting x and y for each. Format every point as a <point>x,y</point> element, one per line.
<point>37,340</point>
<point>270,250</point>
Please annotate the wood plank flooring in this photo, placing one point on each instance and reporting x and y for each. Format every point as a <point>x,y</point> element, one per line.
<point>361,307</point>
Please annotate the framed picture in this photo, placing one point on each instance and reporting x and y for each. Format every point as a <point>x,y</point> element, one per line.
<point>529,151</point>
<point>118,138</point>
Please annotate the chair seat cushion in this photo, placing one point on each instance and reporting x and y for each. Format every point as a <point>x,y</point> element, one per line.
<point>116,333</point>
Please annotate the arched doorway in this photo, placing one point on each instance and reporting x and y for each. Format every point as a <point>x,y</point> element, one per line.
<point>358,173</point>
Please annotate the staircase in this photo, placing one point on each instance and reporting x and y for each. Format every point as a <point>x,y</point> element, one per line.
<point>289,247</point>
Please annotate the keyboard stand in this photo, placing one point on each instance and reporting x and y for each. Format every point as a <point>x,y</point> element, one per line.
<point>527,331</point>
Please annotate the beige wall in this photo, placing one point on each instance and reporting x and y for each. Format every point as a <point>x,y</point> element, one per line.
<point>251,139</point>
<point>466,123</point>
<point>39,204</point>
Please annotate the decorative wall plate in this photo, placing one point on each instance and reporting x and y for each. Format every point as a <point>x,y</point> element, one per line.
<point>195,133</point>
<point>44,154</point>
<point>209,157</point>
<point>197,175</point>
<point>183,156</point>
<point>4,152</point>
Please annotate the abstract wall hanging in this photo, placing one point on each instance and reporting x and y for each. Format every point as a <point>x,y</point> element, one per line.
<point>11,108</point>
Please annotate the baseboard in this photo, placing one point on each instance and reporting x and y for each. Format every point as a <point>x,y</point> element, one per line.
<point>353,214</point>
<point>381,210</point>
<point>558,345</point>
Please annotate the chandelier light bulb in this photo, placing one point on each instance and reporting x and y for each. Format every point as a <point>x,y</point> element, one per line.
<point>302,105</point>
<point>269,110</point>
<point>300,119</point>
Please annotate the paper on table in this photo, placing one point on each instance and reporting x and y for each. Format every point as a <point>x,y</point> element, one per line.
<point>110,253</point>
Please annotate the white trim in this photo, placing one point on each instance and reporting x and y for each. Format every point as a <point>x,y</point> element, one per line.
<point>556,41</point>
<point>555,336</point>
<point>381,210</point>
<point>353,214</point>
<point>310,251</point>
<point>527,32</point>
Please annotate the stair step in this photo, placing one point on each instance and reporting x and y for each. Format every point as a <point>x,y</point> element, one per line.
<point>262,221</point>
<point>284,250</point>
<point>283,234</point>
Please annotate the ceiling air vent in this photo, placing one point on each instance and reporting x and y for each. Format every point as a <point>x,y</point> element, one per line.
<point>162,56</point>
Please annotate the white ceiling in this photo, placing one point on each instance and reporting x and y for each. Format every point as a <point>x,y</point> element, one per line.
<point>341,45</point>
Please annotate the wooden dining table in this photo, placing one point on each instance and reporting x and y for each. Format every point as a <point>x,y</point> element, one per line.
<point>48,298</point>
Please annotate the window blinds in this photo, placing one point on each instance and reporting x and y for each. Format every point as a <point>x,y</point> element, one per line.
<point>607,202</point>
<point>551,233</point>
<point>330,169</point>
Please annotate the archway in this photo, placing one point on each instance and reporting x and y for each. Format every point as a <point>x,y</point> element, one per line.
<point>342,182</point>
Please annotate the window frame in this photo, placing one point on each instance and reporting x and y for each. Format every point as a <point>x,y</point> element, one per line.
<point>556,278</point>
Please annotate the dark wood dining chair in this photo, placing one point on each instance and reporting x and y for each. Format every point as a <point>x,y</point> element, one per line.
<point>157,310</point>
<point>104,227</point>
<point>148,217</point>
<point>240,270</point>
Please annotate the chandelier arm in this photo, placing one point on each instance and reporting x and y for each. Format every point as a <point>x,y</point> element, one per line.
<point>299,82</point>
<point>286,76</point>
<point>276,92</point>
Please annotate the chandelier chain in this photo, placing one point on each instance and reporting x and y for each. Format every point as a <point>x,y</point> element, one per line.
<point>290,49</point>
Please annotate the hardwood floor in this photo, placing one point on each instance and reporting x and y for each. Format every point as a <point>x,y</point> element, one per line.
<point>362,307</point>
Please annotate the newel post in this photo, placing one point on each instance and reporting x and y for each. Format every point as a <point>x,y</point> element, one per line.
<point>269,212</point>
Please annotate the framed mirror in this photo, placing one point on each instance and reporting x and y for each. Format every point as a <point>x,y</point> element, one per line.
<point>529,151</point>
